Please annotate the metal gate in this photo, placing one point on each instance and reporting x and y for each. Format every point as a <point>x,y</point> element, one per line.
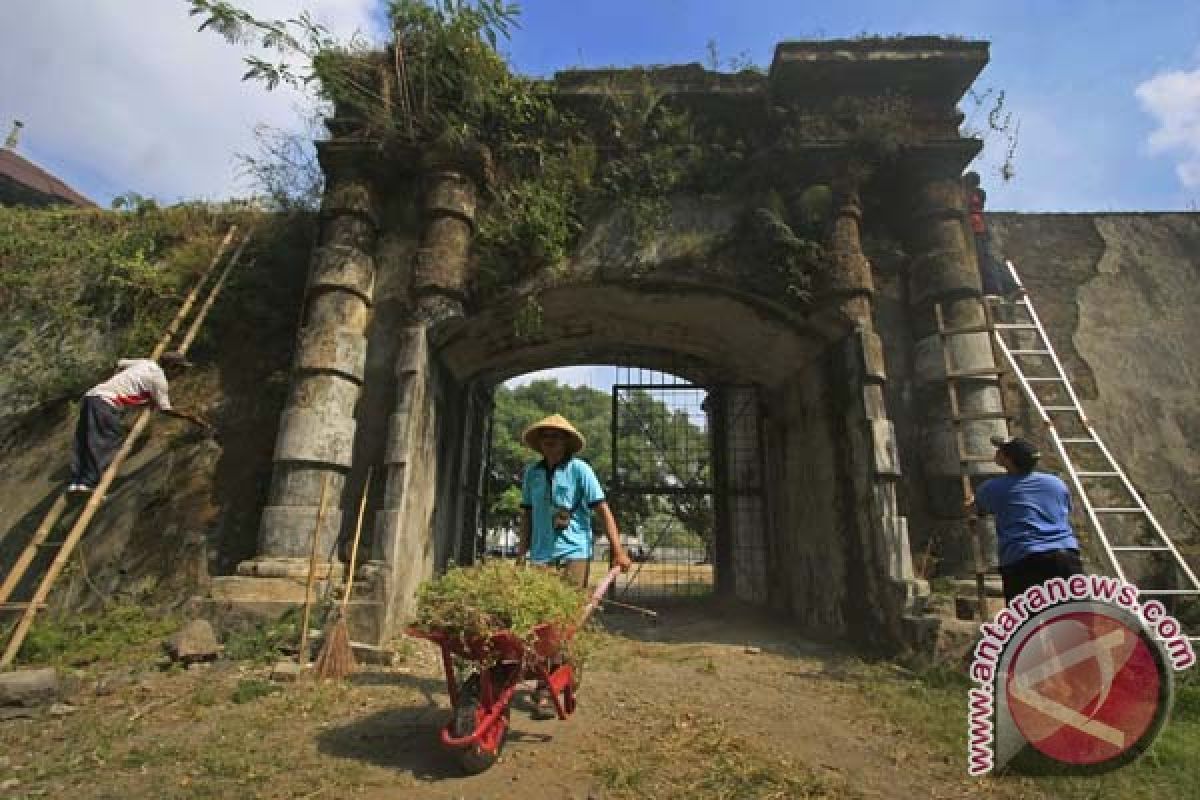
<point>676,452</point>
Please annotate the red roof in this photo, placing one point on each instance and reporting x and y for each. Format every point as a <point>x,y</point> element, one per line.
<point>32,176</point>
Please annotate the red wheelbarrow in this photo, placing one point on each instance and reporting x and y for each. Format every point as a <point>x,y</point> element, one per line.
<point>479,723</point>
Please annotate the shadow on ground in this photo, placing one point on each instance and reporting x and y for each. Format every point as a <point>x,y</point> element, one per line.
<point>407,739</point>
<point>718,621</point>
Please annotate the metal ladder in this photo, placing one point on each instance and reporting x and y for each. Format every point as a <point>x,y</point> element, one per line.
<point>1072,448</point>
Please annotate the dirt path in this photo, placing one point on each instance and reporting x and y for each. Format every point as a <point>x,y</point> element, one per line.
<point>706,704</point>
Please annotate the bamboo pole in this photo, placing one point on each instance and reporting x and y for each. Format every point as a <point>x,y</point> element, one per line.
<point>97,496</point>
<point>202,314</point>
<point>173,328</point>
<point>22,563</point>
<point>312,571</point>
<point>362,507</point>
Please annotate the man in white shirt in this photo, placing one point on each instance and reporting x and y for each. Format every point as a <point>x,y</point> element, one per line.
<point>138,382</point>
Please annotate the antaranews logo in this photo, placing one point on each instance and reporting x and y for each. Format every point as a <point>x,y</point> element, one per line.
<point>1074,675</point>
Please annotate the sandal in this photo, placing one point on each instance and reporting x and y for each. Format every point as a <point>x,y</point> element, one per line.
<point>543,706</point>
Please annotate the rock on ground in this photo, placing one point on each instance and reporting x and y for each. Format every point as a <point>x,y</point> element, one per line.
<point>195,641</point>
<point>29,687</point>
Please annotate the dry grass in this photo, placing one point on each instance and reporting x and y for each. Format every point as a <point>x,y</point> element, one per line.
<point>708,760</point>
<point>497,595</point>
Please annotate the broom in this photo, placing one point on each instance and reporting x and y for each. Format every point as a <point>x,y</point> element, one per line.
<point>336,659</point>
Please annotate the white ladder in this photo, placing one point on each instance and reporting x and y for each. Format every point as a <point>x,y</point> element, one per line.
<point>1069,447</point>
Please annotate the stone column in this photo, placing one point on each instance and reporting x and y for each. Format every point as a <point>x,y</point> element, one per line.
<point>441,276</point>
<point>440,281</point>
<point>317,426</point>
<point>850,275</point>
<point>944,272</point>
<point>871,460</point>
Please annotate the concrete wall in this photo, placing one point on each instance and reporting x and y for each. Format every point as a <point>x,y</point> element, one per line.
<point>1119,295</point>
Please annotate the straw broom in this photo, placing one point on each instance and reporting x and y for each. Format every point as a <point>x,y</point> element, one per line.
<point>336,659</point>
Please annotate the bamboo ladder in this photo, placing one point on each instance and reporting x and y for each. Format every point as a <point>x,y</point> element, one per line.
<point>958,418</point>
<point>21,565</point>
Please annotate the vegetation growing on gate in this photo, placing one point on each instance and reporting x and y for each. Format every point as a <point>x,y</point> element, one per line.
<point>443,85</point>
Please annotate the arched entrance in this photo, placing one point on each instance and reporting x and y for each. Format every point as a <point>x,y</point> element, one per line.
<point>760,288</point>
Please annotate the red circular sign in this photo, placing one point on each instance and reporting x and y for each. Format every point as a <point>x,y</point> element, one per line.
<point>1083,688</point>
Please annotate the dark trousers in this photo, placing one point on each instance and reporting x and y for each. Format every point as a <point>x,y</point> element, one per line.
<point>993,275</point>
<point>1038,568</point>
<point>97,436</point>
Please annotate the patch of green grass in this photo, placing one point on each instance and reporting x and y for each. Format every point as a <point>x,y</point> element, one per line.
<point>265,642</point>
<point>617,776</point>
<point>205,695</point>
<point>934,703</point>
<point>153,754</point>
<point>119,634</point>
<point>251,689</point>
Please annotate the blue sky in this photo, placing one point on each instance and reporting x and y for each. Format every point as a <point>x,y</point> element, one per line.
<point>124,95</point>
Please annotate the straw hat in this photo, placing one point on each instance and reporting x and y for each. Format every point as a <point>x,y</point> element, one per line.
<point>557,422</point>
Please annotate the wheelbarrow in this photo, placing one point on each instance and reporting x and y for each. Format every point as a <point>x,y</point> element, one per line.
<point>481,703</point>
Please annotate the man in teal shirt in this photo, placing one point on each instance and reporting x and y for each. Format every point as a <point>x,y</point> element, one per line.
<point>558,496</point>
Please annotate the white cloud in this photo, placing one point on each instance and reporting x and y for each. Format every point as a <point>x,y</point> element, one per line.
<point>1173,99</point>
<point>126,94</point>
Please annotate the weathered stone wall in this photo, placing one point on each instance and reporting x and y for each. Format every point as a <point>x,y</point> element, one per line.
<point>1119,294</point>
<point>807,523</point>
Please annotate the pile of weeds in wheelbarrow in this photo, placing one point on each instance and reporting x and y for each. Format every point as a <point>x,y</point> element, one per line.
<point>497,596</point>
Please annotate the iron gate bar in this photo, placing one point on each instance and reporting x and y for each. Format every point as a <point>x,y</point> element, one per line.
<point>645,428</point>
<point>684,483</point>
<point>669,387</point>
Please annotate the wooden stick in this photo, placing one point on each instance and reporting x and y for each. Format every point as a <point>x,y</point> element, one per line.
<point>312,571</point>
<point>173,328</point>
<point>362,507</point>
<point>628,607</point>
<point>598,595</point>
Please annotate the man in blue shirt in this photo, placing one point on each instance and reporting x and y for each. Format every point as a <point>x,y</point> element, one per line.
<point>558,495</point>
<point>1033,532</point>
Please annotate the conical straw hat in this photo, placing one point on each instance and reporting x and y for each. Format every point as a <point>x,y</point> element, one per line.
<point>558,422</point>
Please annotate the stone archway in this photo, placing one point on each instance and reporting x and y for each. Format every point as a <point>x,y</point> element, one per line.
<point>401,343</point>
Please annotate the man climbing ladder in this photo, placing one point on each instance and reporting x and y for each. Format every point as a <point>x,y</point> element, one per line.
<point>135,391</point>
<point>138,382</point>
